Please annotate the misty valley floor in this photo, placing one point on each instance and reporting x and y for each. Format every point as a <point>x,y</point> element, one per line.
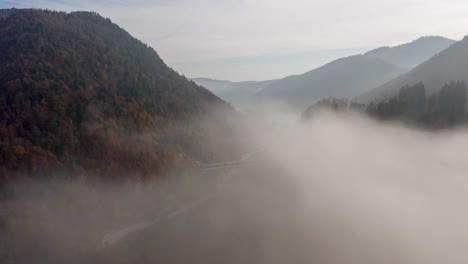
<point>337,189</point>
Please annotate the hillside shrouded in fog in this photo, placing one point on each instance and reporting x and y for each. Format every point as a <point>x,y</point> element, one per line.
<point>108,155</point>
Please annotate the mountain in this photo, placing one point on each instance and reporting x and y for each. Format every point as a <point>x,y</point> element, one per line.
<point>341,78</point>
<point>448,65</point>
<point>348,77</point>
<point>412,54</point>
<point>237,93</point>
<point>80,96</point>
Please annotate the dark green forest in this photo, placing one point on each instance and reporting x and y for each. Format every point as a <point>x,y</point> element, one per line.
<point>443,109</point>
<point>413,106</point>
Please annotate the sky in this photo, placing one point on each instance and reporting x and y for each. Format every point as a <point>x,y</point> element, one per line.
<point>242,40</point>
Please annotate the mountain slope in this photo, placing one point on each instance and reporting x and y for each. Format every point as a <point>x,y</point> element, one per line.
<point>411,54</point>
<point>79,93</point>
<point>449,65</point>
<point>341,78</point>
<point>348,77</point>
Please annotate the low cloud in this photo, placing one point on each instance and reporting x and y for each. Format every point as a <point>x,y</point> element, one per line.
<point>338,189</point>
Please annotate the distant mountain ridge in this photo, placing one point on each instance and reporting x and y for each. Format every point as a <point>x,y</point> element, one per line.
<point>344,77</point>
<point>449,65</point>
<point>341,78</point>
<point>237,93</point>
<point>411,54</point>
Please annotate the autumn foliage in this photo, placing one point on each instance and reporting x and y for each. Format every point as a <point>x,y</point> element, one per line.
<point>79,96</point>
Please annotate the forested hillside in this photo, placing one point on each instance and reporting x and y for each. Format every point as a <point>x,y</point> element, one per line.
<point>413,106</point>
<point>443,109</point>
<point>79,96</point>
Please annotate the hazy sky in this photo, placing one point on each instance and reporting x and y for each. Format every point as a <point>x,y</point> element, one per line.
<point>266,39</point>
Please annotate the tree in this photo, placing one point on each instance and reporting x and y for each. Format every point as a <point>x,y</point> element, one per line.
<point>412,101</point>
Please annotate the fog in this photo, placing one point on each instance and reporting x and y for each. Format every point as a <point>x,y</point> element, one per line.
<point>379,193</point>
<point>340,188</point>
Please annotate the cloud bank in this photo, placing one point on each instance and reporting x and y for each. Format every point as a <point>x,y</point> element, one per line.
<point>338,189</point>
